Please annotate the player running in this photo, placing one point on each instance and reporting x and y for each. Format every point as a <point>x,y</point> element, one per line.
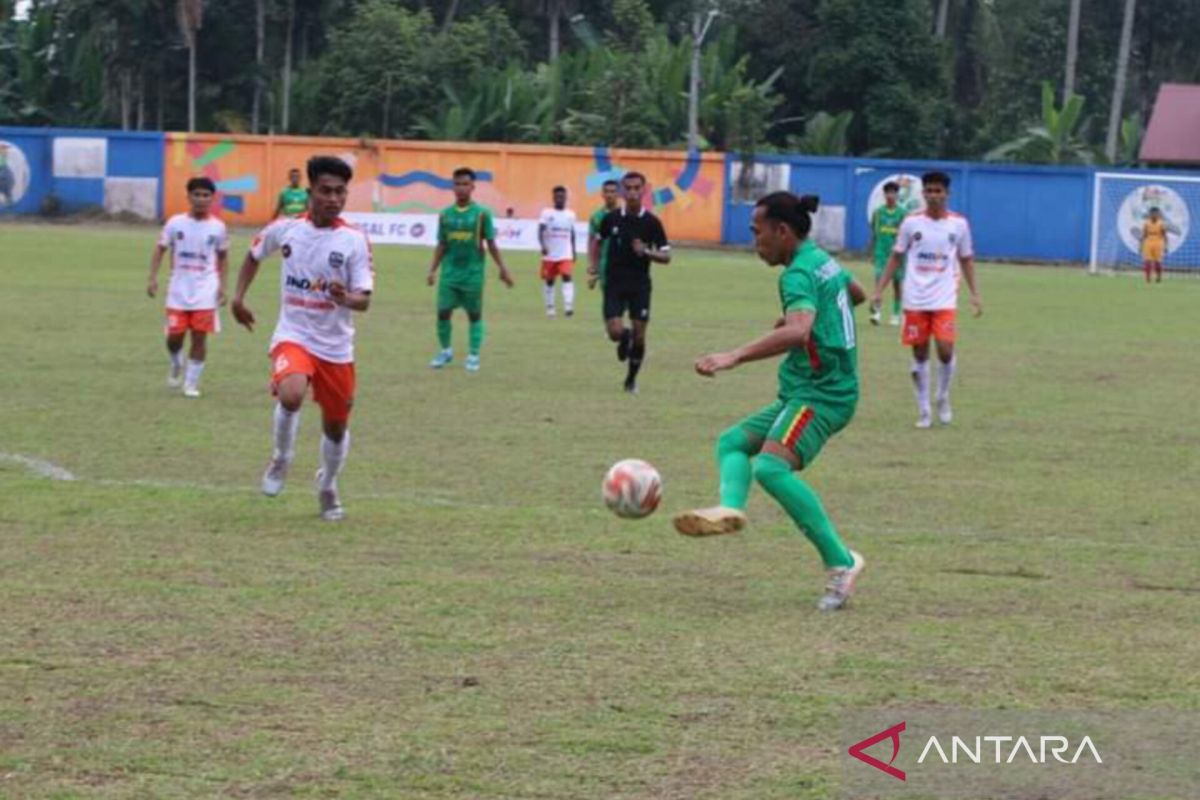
<point>556,234</point>
<point>199,247</point>
<point>1154,244</point>
<point>937,245</point>
<point>885,223</point>
<point>326,273</point>
<point>818,391</point>
<point>293,198</point>
<point>597,253</point>
<point>633,237</point>
<point>462,230</point>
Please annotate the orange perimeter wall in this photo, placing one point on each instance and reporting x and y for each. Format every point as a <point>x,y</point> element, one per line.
<point>414,177</point>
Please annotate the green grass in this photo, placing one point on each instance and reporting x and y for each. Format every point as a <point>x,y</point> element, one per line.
<point>481,627</point>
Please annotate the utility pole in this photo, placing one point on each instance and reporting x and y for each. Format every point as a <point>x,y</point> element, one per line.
<point>700,26</point>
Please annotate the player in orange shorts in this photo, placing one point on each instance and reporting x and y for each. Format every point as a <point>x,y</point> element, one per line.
<point>936,244</point>
<point>1154,244</point>
<point>199,247</point>
<point>556,234</point>
<point>326,273</point>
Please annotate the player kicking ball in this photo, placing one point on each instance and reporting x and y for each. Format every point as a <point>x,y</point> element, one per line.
<point>556,234</point>
<point>937,246</point>
<point>199,247</point>
<point>818,391</point>
<point>326,273</point>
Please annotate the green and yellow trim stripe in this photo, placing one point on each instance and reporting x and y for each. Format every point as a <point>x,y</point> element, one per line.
<point>798,426</point>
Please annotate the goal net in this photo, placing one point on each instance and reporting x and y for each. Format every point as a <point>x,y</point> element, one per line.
<point>1121,203</point>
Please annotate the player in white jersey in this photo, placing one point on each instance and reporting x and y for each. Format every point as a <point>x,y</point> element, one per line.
<point>326,273</point>
<point>556,234</point>
<point>936,244</point>
<point>199,247</point>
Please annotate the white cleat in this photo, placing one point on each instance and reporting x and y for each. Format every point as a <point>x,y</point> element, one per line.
<point>443,358</point>
<point>924,419</point>
<point>945,415</point>
<point>876,315</point>
<point>191,391</point>
<point>840,584</point>
<point>175,377</point>
<point>472,363</point>
<point>710,521</point>
<point>894,321</point>
<point>550,313</point>
<point>329,500</point>
<point>274,476</point>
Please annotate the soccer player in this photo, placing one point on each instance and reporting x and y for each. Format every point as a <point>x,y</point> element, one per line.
<point>1154,244</point>
<point>597,253</point>
<point>818,391</point>
<point>199,247</point>
<point>462,230</point>
<point>556,234</point>
<point>936,245</point>
<point>7,181</point>
<point>293,198</point>
<point>326,273</point>
<point>634,238</point>
<point>885,223</point>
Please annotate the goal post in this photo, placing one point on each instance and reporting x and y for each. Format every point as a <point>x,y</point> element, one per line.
<point>1121,202</point>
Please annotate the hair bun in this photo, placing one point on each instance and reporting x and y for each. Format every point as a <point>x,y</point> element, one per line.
<point>809,203</point>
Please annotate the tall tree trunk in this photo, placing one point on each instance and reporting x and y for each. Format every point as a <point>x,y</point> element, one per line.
<point>555,11</point>
<point>942,13</point>
<point>159,110</point>
<point>260,24</point>
<point>192,85</point>
<point>125,91</point>
<point>141,98</point>
<point>1072,50</point>
<point>287,67</point>
<point>449,18</point>
<point>1114,112</point>
<point>694,83</point>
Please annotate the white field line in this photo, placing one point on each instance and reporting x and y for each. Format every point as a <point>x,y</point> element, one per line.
<point>43,469</point>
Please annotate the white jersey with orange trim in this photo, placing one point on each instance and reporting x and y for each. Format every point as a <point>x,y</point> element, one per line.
<point>932,249</point>
<point>560,233</point>
<point>194,245</point>
<point>313,258</point>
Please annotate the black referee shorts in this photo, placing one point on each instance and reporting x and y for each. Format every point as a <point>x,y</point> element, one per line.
<point>634,299</point>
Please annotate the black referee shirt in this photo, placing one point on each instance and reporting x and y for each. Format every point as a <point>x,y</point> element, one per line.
<point>618,230</point>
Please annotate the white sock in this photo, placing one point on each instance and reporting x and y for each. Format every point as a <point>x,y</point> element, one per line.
<point>548,293</point>
<point>333,456</point>
<point>192,375</point>
<point>287,423</point>
<point>176,358</point>
<point>920,376</point>
<point>569,295</point>
<point>945,376</point>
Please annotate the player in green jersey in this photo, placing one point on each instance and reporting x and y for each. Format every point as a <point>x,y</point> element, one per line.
<point>597,251</point>
<point>818,391</point>
<point>463,228</point>
<point>885,224</point>
<point>293,200</point>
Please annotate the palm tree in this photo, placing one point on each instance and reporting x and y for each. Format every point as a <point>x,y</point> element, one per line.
<point>260,24</point>
<point>1056,139</point>
<point>190,14</point>
<point>1114,112</point>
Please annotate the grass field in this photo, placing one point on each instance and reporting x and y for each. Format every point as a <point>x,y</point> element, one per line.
<point>481,627</point>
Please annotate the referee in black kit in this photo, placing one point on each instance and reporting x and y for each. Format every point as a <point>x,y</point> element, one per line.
<point>634,237</point>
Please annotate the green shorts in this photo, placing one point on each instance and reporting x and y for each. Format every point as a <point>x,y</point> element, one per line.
<point>881,265</point>
<point>799,426</point>
<point>450,297</point>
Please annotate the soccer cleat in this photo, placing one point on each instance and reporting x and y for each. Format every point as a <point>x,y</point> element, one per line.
<point>924,419</point>
<point>894,321</point>
<point>710,521</point>
<point>570,312</point>
<point>472,364</point>
<point>191,391</point>
<point>551,313</point>
<point>840,584</point>
<point>945,415</point>
<point>175,376</point>
<point>329,500</point>
<point>631,386</point>
<point>443,358</point>
<point>274,476</point>
<point>876,315</point>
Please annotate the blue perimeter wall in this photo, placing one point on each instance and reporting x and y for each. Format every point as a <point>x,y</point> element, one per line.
<point>129,154</point>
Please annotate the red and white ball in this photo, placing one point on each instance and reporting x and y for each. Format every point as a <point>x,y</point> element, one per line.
<point>632,489</point>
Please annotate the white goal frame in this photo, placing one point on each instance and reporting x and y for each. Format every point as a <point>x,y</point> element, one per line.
<point>1097,179</point>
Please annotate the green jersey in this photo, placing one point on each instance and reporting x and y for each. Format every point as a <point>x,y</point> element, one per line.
<point>826,371</point>
<point>294,201</point>
<point>885,224</point>
<point>594,230</point>
<point>462,232</point>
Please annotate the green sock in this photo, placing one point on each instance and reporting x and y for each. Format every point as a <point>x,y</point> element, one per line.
<point>475,336</point>
<point>733,462</point>
<point>803,506</point>
<point>444,329</point>
<point>896,306</point>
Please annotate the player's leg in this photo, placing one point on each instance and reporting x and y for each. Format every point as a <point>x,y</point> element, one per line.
<point>639,313</point>
<point>177,327</point>
<point>897,296</point>
<point>735,446</point>
<point>548,274</point>
<point>944,335</point>
<point>1147,268</point>
<point>795,439</point>
<point>875,311</point>
<point>292,369</point>
<point>918,327</point>
<point>197,353</point>
<point>615,303</point>
<point>568,287</point>
<point>333,390</point>
<point>473,303</point>
<point>447,300</point>
<point>1158,270</point>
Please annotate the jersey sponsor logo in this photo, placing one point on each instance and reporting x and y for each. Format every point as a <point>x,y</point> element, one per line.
<point>336,260</point>
<point>917,236</point>
<point>307,285</point>
<point>829,270</point>
<point>286,250</point>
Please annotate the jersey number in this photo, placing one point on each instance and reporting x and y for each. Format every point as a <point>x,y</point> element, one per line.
<point>847,318</point>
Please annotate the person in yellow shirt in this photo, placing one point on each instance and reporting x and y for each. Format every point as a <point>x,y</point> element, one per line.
<point>1154,244</point>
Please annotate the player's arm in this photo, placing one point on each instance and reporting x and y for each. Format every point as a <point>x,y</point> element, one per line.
<point>660,249</point>
<point>505,277</point>
<point>438,253</point>
<point>574,252</point>
<point>222,274</point>
<point>360,273</point>
<point>968,270</point>
<point>353,300</point>
<point>155,265</point>
<point>793,333</point>
<point>246,276</point>
<point>542,237</point>
<point>889,272</point>
<point>857,293</point>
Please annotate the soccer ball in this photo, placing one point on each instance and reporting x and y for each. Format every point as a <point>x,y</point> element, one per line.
<point>632,489</point>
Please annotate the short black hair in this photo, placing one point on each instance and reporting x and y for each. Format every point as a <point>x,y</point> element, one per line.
<point>293,169</point>
<point>201,182</point>
<point>470,173</point>
<point>795,212</point>
<point>558,189</point>
<point>891,186</point>
<point>936,177</point>
<point>610,182</point>
<point>328,165</point>
<point>637,175</point>
<point>1155,210</point>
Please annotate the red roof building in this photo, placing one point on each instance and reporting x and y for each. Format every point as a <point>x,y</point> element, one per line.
<point>1173,135</point>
